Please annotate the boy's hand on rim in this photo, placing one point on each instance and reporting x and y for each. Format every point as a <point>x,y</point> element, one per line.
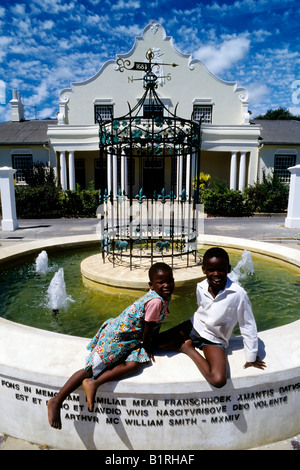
<point>258,363</point>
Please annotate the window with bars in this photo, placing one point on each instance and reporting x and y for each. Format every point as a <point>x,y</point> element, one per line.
<point>281,165</point>
<point>203,112</point>
<point>21,163</point>
<point>103,113</point>
<point>153,110</point>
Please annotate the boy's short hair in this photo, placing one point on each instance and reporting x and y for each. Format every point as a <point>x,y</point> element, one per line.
<point>216,252</point>
<point>156,267</point>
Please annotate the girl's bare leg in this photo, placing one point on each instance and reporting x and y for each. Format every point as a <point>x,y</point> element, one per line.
<point>118,372</point>
<point>54,404</point>
<point>213,366</point>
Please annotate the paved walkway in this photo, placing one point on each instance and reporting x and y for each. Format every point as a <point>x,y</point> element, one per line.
<point>262,228</point>
<point>270,229</point>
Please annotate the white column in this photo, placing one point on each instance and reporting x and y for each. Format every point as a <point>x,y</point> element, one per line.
<point>108,173</point>
<point>233,170</point>
<point>242,173</point>
<point>193,166</point>
<point>188,175</point>
<point>179,174</point>
<point>63,171</point>
<point>125,175</point>
<point>123,172</point>
<point>71,171</point>
<point>115,175</point>
<point>293,216</point>
<point>8,201</point>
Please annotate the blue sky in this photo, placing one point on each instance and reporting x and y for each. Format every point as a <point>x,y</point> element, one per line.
<point>47,44</point>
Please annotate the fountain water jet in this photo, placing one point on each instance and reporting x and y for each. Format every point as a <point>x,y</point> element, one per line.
<point>57,295</point>
<point>243,268</point>
<point>41,263</point>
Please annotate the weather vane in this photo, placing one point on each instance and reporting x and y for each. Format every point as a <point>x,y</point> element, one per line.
<point>150,78</point>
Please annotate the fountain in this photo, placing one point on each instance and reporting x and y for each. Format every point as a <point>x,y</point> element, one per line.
<point>24,298</point>
<point>41,263</point>
<point>56,294</point>
<point>243,268</point>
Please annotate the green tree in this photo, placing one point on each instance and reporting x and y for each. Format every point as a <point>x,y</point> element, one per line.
<point>279,114</point>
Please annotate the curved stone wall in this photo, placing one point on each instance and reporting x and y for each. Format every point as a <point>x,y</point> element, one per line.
<point>166,406</point>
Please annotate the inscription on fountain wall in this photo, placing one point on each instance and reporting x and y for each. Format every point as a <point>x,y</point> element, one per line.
<point>202,410</point>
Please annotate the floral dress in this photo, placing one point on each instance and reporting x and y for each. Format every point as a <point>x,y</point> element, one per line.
<point>121,337</point>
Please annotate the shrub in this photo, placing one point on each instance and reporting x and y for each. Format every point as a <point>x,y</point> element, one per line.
<point>227,203</point>
<point>271,195</point>
<point>203,181</point>
<point>38,202</point>
<point>82,203</point>
<point>48,201</point>
<point>71,203</point>
<point>39,175</point>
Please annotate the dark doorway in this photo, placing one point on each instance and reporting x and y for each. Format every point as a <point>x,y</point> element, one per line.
<point>153,176</point>
<point>100,173</point>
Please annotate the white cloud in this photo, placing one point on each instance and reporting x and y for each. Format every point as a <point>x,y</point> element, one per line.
<point>18,9</point>
<point>257,92</point>
<point>222,57</point>
<point>260,35</point>
<point>122,5</point>
<point>51,6</point>
<point>295,110</point>
<point>40,95</point>
<point>4,43</point>
<point>47,113</point>
<point>132,30</point>
<point>5,113</point>
<point>48,24</point>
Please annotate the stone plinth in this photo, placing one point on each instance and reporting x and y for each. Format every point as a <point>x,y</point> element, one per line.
<point>8,203</point>
<point>115,279</point>
<point>293,216</point>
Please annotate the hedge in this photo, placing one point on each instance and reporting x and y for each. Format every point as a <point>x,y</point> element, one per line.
<point>48,201</point>
<point>226,204</point>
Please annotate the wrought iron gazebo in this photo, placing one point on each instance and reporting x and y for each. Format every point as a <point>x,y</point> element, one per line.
<point>144,214</point>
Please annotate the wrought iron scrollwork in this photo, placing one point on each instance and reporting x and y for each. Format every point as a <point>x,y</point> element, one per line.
<point>153,221</point>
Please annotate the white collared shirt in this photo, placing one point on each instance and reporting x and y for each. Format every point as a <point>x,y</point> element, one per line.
<point>216,317</point>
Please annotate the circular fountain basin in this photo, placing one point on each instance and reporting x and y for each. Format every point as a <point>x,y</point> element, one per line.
<point>166,406</point>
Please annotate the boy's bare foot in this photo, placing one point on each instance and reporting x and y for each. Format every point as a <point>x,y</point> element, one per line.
<point>90,391</point>
<point>185,347</point>
<point>54,414</point>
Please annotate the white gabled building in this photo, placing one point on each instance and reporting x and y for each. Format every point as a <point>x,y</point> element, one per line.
<point>229,141</point>
<point>233,148</point>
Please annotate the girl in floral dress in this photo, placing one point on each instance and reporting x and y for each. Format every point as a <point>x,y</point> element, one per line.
<point>122,344</point>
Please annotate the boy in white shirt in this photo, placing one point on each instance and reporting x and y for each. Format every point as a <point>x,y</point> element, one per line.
<point>222,304</point>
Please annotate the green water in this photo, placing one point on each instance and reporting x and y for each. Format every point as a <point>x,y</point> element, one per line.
<point>273,290</point>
